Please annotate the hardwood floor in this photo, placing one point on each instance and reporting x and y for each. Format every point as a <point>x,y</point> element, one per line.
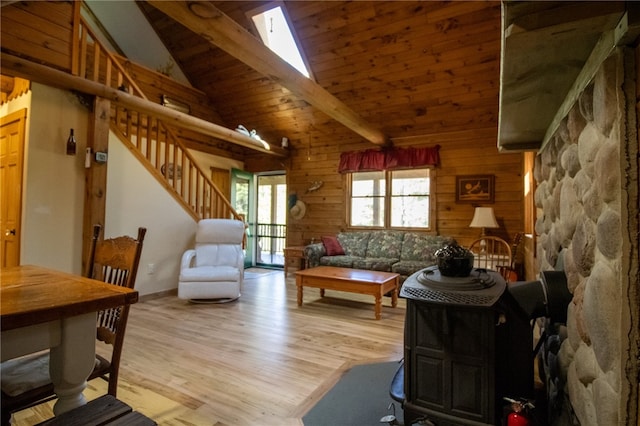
<point>261,360</point>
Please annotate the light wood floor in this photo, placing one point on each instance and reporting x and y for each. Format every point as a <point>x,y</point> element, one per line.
<point>261,360</point>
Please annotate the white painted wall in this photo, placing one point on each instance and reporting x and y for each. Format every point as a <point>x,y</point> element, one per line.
<point>135,198</point>
<point>54,182</point>
<point>53,203</point>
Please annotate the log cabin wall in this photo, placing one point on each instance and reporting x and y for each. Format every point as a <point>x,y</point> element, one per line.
<point>456,80</point>
<point>450,78</point>
<point>39,31</point>
<point>461,153</point>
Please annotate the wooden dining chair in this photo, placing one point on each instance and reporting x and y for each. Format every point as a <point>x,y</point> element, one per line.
<point>25,380</point>
<point>514,271</point>
<point>492,253</point>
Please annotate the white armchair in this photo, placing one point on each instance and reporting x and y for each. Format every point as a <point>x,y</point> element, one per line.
<point>213,272</point>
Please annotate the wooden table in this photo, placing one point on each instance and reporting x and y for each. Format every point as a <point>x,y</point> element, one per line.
<point>42,308</point>
<point>293,252</point>
<point>374,283</point>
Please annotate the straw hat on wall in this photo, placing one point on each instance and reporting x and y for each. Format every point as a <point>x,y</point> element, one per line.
<point>298,210</point>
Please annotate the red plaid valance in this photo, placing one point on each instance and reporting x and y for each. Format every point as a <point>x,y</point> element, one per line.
<point>389,159</point>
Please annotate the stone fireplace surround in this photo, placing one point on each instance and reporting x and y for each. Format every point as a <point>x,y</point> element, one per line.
<point>586,225</point>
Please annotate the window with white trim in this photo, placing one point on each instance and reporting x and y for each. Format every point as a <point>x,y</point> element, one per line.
<point>391,199</point>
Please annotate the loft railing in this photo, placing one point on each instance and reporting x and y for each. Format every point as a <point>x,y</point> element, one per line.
<point>158,148</point>
<point>91,60</point>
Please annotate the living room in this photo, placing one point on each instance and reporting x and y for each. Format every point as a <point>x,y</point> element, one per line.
<point>462,120</point>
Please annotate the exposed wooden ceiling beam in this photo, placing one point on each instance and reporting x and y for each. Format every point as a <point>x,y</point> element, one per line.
<point>19,67</point>
<point>223,32</point>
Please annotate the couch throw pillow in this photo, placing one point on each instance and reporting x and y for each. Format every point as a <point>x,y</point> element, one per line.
<point>332,246</point>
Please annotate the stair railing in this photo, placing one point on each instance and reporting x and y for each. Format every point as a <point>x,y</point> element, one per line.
<point>163,155</point>
<point>92,61</point>
<point>157,147</point>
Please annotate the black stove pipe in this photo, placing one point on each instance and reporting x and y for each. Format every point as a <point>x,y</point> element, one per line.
<point>548,297</point>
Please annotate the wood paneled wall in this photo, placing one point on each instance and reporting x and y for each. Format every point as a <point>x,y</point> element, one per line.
<point>467,132</point>
<point>428,73</point>
<point>461,153</point>
<point>44,29</point>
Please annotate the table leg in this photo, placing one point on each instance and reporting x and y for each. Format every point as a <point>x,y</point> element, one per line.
<point>378,306</point>
<point>299,285</point>
<point>394,295</point>
<point>71,362</point>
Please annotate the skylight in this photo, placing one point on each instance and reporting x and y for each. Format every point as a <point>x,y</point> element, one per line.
<point>276,34</point>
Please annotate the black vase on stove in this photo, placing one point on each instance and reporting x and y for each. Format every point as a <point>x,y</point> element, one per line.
<point>454,261</point>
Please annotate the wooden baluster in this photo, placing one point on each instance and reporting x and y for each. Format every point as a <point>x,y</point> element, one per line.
<point>198,198</point>
<point>189,188</point>
<point>149,140</point>
<point>119,80</point>
<point>107,73</point>
<point>130,118</point>
<point>157,144</point>
<point>96,61</point>
<point>133,127</point>
<point>82,66</point>
<point>183,159</point>
<point>163,146</point>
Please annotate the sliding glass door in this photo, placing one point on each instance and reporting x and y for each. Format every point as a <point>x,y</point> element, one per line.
<point>262,200</point>
<point>271,229</point>
<point>243,201</point>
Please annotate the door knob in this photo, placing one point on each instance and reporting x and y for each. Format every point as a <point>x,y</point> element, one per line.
<point>10,232</point>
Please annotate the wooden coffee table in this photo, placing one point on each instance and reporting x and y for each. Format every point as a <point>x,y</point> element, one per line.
<point>374,283</point>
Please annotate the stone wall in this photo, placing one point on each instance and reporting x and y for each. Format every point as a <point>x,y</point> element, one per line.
<point>580,227</point>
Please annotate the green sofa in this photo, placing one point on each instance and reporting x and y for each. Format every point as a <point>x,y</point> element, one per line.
<point>392,251</point>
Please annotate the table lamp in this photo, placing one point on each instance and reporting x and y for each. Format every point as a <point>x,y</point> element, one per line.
<point>483,217</point>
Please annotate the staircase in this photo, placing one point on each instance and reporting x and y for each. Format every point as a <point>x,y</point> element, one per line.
<point>150,140</point>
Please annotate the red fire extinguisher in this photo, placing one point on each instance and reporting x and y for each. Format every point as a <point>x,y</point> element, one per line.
<point>518,416</point>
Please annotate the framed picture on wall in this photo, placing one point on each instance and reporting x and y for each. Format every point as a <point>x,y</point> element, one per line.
<point>475,188</point>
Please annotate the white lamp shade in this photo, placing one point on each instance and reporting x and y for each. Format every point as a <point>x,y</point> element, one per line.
<point>483,217</point>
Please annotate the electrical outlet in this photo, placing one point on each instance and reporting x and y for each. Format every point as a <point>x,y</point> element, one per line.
<point>151,268</point>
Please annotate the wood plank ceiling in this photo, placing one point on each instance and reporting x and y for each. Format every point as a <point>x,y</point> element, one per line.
<point>410,69</point>
<point>398,71</point>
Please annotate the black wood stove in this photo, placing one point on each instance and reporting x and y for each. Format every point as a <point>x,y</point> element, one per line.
<point>468,344</point>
